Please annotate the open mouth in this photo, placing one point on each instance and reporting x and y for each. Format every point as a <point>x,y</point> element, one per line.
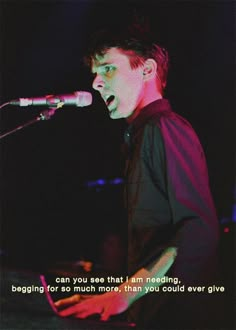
<point>109,100</point>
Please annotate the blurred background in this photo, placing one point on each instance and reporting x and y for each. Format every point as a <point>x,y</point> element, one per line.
<point>61,179</point>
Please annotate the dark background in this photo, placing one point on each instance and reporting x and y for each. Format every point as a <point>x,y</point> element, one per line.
<point>47,210</point>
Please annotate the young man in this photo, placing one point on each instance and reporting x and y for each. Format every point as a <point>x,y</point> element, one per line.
<point>172,225</point>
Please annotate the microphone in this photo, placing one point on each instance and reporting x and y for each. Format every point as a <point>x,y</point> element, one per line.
<point>78,99</point>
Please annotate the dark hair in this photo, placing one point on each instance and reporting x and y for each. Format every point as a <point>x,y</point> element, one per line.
<point>138,48</point>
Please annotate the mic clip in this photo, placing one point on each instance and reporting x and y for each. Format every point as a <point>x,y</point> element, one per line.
<point>47,114</point>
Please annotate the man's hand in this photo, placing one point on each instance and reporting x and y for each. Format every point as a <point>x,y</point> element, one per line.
<point>107,304</point>
<point>116,302</point>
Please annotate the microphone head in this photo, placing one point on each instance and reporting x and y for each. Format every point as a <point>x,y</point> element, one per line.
<point>83,99</point>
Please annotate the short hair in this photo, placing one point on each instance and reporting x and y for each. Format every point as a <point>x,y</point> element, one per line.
<point>138,49</point>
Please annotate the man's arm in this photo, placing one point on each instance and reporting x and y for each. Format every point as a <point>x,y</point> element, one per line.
<point>113,303</point>
<point>157,269</point>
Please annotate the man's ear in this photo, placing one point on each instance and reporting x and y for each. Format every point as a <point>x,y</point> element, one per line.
<point>149,69</point>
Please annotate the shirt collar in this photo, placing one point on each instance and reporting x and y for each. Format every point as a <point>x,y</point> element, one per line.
<point>146,114</point>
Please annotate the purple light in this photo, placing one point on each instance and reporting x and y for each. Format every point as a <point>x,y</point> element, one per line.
<point>234,213</point>
<point>116,181</point>
<point>102,182</point>
<point>91,184</point>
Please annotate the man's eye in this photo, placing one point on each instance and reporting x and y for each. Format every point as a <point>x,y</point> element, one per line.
<point>108,69</point>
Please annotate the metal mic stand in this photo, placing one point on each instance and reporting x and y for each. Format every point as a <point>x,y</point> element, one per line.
<point>44,115</point>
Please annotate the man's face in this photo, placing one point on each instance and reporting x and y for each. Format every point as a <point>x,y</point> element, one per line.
<point>120,86</point>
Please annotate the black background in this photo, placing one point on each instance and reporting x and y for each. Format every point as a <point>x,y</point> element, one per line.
<point>46,209</point>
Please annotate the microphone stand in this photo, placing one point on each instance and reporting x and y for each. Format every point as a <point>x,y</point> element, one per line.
<point>44,115</point>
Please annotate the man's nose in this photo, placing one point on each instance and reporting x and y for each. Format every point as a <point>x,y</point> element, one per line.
<point>98,83</point>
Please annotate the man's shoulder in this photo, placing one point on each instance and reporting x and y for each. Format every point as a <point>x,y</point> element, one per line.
<point>158,118</point>
<point>170,125</point>
<point>168,118</point>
